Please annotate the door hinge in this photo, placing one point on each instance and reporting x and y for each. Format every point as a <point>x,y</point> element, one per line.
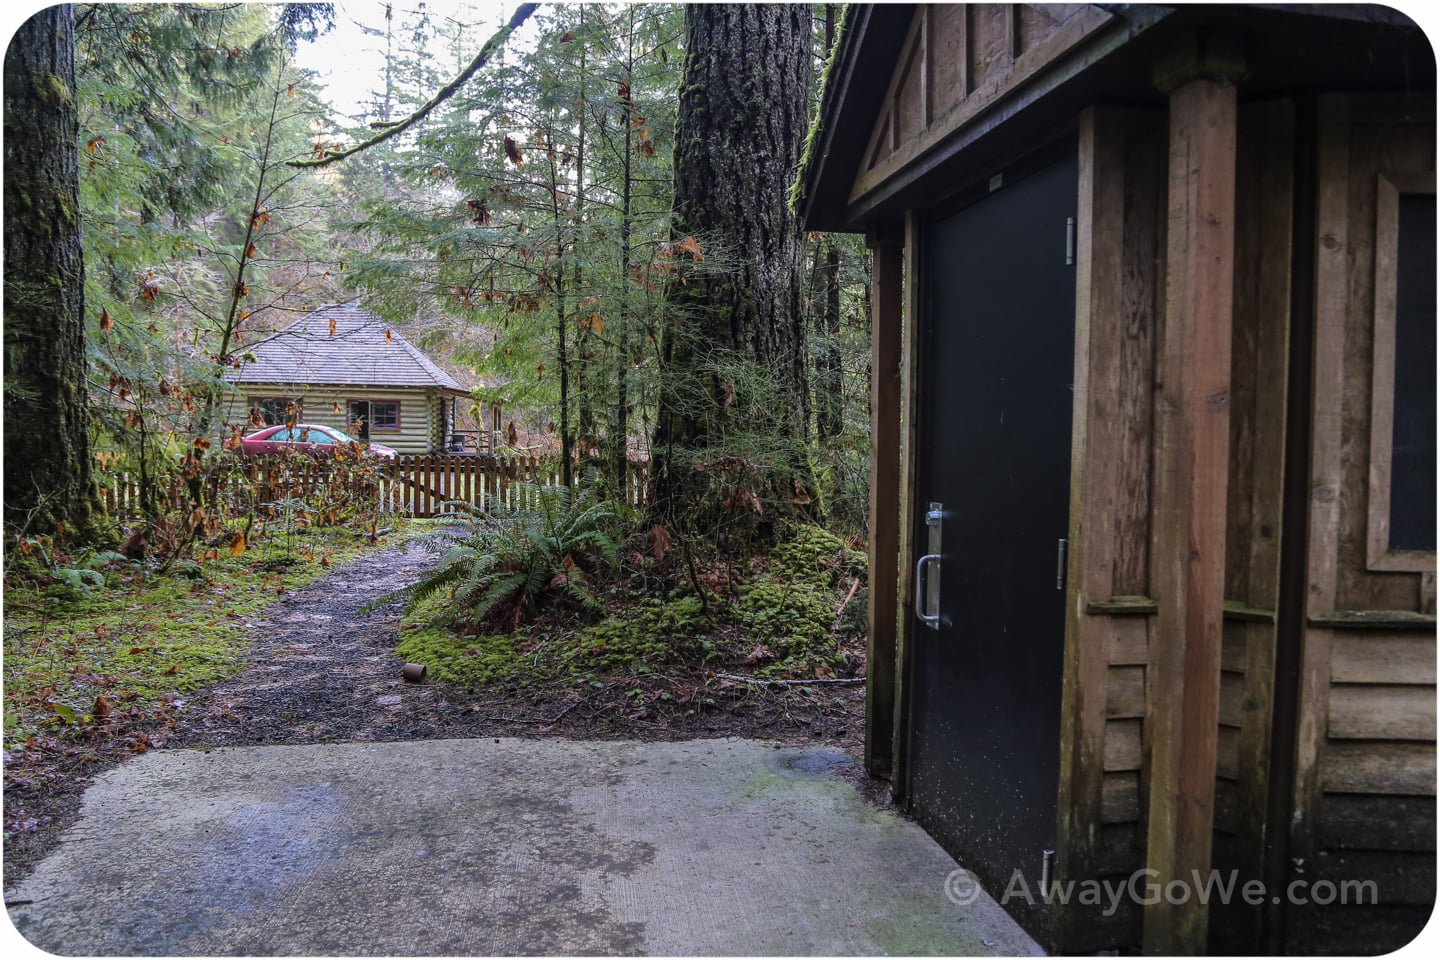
<point>1069,241</point>
<point>1060,549</point>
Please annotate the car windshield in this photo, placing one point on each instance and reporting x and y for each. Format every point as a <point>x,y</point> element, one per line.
<point>306,434</point>
<point>339,436</point>
<point>321,435</point>
<point>309,435</point>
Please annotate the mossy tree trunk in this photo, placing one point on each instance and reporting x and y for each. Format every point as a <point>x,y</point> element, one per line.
<point>829,401</point>
<point>618,433</point>
<point>734,383</point>
<point>48,485</point>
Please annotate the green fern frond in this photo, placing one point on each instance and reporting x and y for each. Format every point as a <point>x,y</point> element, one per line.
<point>505,559</point>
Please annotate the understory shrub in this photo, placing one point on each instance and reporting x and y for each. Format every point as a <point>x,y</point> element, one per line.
<point>501,568</point>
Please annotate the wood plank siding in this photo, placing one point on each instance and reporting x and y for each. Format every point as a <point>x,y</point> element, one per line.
<point>420,410</point>
<point>958,61</point>
<point>1258,390</point>
<point>1367,746</point>
<point>1103,783</point>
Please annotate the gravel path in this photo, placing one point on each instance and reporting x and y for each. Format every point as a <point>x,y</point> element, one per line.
<point>320,671</point>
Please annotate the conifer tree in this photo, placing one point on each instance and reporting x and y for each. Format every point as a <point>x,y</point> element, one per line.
<point>47,448</point>
<point>734,403</point>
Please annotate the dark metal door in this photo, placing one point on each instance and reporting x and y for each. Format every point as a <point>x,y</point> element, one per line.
<point>986,681</point>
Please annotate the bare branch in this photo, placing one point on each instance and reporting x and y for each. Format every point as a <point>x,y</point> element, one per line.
<point>522,13</point>
<point>766,682</point>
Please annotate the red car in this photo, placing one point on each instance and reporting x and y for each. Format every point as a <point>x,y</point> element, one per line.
<point>307,438</point>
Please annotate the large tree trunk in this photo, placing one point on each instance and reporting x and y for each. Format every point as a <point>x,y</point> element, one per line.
<point>47,450</point>
<point>829,400</point>
<point>733,397</point>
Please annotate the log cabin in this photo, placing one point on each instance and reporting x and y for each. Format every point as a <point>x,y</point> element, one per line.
<point>1153,351</point>
<point>343,366</point>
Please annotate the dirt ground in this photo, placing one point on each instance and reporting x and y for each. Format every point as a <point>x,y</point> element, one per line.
<point>318,671</point>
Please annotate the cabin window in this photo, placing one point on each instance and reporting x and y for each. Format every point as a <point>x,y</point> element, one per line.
<point>1402,513</point>
<point>384,415</point>
<point>273,410</point>
<point>373,416</point>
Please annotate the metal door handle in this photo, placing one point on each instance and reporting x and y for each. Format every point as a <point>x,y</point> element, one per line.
<point>932,619</point>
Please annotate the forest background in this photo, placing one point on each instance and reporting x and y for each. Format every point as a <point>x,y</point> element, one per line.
<point>588,211</point>
<point>524,232</point>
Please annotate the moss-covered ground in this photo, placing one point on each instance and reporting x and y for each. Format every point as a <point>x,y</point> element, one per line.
<point>95,637</point>
<point>792,616</point>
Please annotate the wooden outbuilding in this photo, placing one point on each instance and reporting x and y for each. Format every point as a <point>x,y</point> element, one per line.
<point>343,366</point>
<point>1153,342</point>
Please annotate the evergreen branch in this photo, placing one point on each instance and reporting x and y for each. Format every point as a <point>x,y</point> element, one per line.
<point>522,13</point>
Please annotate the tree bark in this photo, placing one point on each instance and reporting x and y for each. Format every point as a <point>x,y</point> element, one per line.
<point>618,433</point>
<point>734,382</point>
<point>584,337</point>
<point>48,486</point>
<point>829,401</point>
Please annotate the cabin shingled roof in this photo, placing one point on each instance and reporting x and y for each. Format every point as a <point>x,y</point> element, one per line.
<point>359,353</point>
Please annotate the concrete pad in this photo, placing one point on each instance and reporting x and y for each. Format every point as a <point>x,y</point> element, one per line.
<point>485,847</point>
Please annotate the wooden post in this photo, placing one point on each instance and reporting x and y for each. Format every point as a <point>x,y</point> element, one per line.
<point>909,410</point>
<point>886,287</point>
<point>1326,475</point>
<point>1192,422</point>
<point>425,505</point>
<point>1099,319</point>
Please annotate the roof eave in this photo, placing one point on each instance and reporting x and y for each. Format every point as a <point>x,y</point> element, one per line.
<point>1366,47</point>
<point>874,35</point>
<point>352,384</point>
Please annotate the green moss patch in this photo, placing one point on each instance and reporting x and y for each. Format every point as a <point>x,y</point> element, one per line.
<point>467,662</point>
<point>780,625</point>
<point>643,635</point>
<point>118,638</point>
<point>790,608</point>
